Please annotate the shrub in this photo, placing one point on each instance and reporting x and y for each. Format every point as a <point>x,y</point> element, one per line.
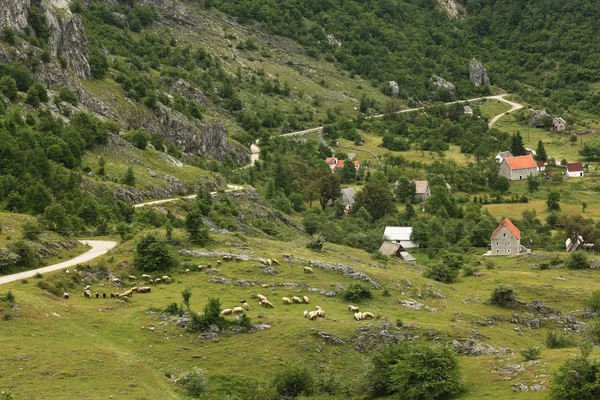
<point>504,296</point>
<point>489,264</point>
<point>592,332</point>
<point>210,316</point>
<point>195,382</point>
<point>67,96</point>
<point>10,297</point>
<point>415,370</point>
<point>557,341</point>
<point>152,254</point>
<point>316,242</point>
<point>356,292</point>
<point>36,95</point>
<point>578,260</point>
<point>531,353</point>
<point>470,270</point>
<point>174,309</point>
<point>593,301</point>
<point>577,378</point>
<point>441,272</point>
<point>186,294</point>
<point>294,381</point>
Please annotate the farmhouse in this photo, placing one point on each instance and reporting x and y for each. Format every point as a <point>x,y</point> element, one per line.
<point>502,155</point>
<point>541,166</point>
<point>399,235</point>
<point>506,239</point>
<point>334,163</point>
<point>559,125</point>
<point>517,168</point>
<point>574,170</point>
<point>422,190</point>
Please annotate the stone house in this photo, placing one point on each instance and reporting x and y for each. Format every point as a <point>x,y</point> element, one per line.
<point>559,124</point>
<point>518,168</point>
<point>506,239</point>
<point>502,155</point>
<point>422,191</point>
<point>574,170</point>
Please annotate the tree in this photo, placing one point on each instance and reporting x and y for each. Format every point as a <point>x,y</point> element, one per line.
<point>129,178</point>
<point>552,201</point>
<point>140,140</point>
<point>204,201</point>
<point>55,218</point>
<point>441,272</point>
<point>186,294</point>
<point>195,227</point>
<point>329,189</point>
<point>419,371</point>
<point>405,189</point>
<point>377,199</point>
<point>578,260</point>
<point>504,296</point>
<point>8,86</point>
<point>152,254</point>
<point>517,148</point>
<point>36,95</point>
<point>38,198</point>
<point>541,154</point>
<point>356,292</point>
<point>577,378</point>
<point>348,172</point>
<point>501,184</point>
<point>294,381</point>
<point>583,206</point>
<point>533,184</point>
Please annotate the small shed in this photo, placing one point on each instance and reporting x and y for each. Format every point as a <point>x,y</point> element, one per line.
<point>468,110</point>
<point>391,249</point>
<point>541,166</point>
<point>574,170</point>
<point>422,191</point>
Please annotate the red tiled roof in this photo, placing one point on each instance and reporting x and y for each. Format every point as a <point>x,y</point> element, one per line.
<point>521,162</point>
<point>340,164</point>
<point>541,164</point>
<point>551,173</point>
<point>421,187</point>
<point>575,167</point>
<point>328,160</point>
<point>510,226</point>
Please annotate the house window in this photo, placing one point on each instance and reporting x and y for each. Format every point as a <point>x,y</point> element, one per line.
<point>505,235</point>
<point>508,251</point>
<point>497,251</point>
<point>497,243</point>
<point>520,176</point>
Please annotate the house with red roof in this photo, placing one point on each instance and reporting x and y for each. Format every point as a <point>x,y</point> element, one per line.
<point>334,163</point>
<point>422,190</point>
<point>541,166</point>
<point>574,170</point>
<point>518,168</point>
<point>506,239</point>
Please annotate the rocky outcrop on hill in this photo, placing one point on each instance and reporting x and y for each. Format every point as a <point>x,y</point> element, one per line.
<point>185,90</point>
<point>477,73</point>
<point>536,120</point>
<point>394,88</point>
<point>13,13</point>
<point>441,83</point>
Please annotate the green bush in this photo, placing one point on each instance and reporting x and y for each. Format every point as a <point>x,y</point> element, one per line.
<point>210,316</point>
<point>195,383</point>
<point>531,353</point>
<point>577,378</point>
<point>174,309</point>
<point>316,242</point>
<point>152,254</point>
<point>441,272</point>
<point>419,371</point>
<point>504,296</point>
<point>355,292</point>
<point>36,95</point>
<point>592,332</point>
<point>593,301</point>
<point>578,260</point>
<point>64,94</point>
<point>10,297</point>
<point>557,341</point>
<point>294,381</point>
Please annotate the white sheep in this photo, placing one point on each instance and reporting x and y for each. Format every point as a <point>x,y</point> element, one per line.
<point>87,293</point>
<point>187,270</point>
<point>358,316</point>
<point>88,287</point>
<point>261,297</point>
<point>165,278</point>
<point>313,315</point>
<point>144,289</point>
<point>320,313</point>
<point>227,311</point>
<point>275,262</point>
<point>266,303</point>
<point>67,271</point>
<point>134,289</point>
<point>132,278</point>
<point>367,314</point>
<point>353,308</point>
<point>306,299</point>
<point>269,262</point>
<point>157,281</point>
<point>296,299</point>
<point>66,296</point>
<point>317,307</point>
<point>308,270</point>
<point>305,313</point>
<point>116,280</point>
<point>146,276</point>
<point>286,300</point>
<point>246,306</point>
<point>237,310</point>
<point>218,262</point>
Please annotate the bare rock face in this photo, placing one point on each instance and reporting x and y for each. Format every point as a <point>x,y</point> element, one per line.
<point>182,88</point>
<point>67,36</point>
<point>441,83</point>
<point>13,13</point>
<point>394,88</point>
<point>478,74</point>
<point>537,117</point>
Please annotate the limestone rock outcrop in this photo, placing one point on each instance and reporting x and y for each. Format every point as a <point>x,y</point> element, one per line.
<point>441,83</point>
<point>478,74</point>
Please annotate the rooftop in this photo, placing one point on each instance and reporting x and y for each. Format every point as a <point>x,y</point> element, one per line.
<point>575,167</point>
<point>421,186</point>
<point>510,226</point>
<point>521,162</point>
<point>397,232</point>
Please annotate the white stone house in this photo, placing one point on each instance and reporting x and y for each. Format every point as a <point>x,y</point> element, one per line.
<point>518,168</point>
<point>422,190</point>
<point>399,235</point>
<point>559,124</point>
<point>506,239</point>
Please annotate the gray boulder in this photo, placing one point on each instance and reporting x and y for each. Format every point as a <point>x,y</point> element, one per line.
<point>478,74</point>
<point>537,117</point>
<point>394,88</point>
<point>441,83</point>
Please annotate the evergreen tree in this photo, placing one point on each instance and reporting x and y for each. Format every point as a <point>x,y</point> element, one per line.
<point>541,154</point>
<point>129,178</point>
<point>195,228</point>
<point>517,148</point>
<point>405,189</point>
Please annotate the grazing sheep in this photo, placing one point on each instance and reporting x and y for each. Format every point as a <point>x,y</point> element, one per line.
<point>237,310</point>
<point>67,271</point>
<point>151,282</point>
<point>305,313</point>
<point>226,258</point>
<point>246,306</point>
<point>116,280</point>
<point>165,278</point>
<point>286,300</point>
<point>200,267</point>
<point>296,299</point>
<point>209,265</point>
<point>227,311</point>
<point>358,316</point>
<point>128,293</point>
<point>66,296</point>
<point>320,313</point>
<point>367,314</point>
<point>317,307</point>
<point>187,270</point>
<point>269,262</point>
<point>266,303</point>
<point>308,270</point>
<point>260,297</point>
<point>306,299</point>
<point>144,289</point>
<point>353,308</point>
<point>157,281</point>
<point>146,276</point>
<point>264,285</point>
<point>134,289</point>
<point>87,293</point>
<point>103,295</point>
<point>132,278</point>
<point>97,295</point>
<point>312,315</point>
<point>88,287</point>
<point>275,262</point>
<point>286,255</point>
<point>218,262</point>
<point>238,259</point>
<point>112,295</point>
<point>263,261</point>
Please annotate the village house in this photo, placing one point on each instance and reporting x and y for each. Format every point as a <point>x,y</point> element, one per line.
<point>559,124</point>
<point>517,168</point>
<point>467,110</point>
<point>541,166</point>
<point>334,163</point>
<point>574,170</point>
<point>506,239</point>
<point>396,250</point>
<point>399,235</point>
<point>502,155</point>
<point>422,191</point>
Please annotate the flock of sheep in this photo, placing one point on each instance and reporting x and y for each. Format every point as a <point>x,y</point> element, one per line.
<point>262,300</point>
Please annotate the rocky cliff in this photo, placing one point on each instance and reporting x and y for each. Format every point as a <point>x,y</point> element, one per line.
<point>477,73</point>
